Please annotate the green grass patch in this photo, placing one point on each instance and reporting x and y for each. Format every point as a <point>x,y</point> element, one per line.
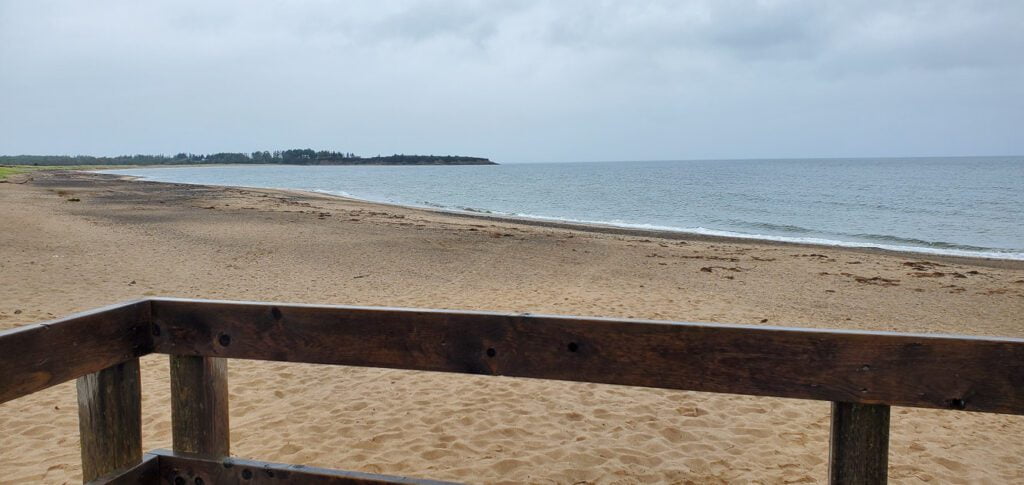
<point>8,170</point>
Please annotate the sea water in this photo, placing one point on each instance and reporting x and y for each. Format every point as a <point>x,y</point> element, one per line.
<point>971,206</point>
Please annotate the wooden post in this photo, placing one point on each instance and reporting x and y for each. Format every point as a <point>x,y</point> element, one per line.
<point>859,445</point>
<point>110,419</point>
<point>199,405</point>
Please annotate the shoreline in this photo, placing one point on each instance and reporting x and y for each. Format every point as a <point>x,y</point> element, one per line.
<point>598,228</point>
<point>95,239</point>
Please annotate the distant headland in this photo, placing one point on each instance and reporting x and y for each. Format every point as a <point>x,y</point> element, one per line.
<point>304,156</point>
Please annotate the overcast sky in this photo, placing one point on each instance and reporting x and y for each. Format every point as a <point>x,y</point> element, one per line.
<point>516,81</point>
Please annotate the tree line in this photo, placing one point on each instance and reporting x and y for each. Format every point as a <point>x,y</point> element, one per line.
<point>301,156</point>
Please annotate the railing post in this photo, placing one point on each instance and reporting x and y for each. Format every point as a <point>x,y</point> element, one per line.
<point>199,405</point>
<point>859,445</point>
<point>110,419</point>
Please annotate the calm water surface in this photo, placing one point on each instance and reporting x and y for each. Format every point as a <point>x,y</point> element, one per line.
<point>961,206</point>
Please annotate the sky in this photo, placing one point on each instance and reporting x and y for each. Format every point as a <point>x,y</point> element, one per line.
<point>515,81</point>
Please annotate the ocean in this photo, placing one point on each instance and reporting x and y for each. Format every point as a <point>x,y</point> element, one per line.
<point>968,206</point>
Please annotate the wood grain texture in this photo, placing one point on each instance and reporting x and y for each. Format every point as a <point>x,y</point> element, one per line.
<point>199,405</point>
<point>188,468</point>
<point>859,444</point>
<point>146,472</point>
<point>932,371</point>
<point>34,357</point>
<point>110,419</point>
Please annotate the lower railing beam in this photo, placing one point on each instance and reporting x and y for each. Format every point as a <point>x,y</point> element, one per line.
<point>199,405</point>
<point>859,444</point>
<point>145,472</point>
<point>186,468</point>
<point>110,419</point>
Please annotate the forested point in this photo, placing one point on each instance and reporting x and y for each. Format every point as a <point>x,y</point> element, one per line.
<point>304,156</point>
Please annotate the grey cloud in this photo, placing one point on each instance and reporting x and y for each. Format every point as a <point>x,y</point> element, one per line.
<point>517,80</point>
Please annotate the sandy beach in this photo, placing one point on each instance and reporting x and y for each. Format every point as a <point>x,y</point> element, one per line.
<point>74,241</point>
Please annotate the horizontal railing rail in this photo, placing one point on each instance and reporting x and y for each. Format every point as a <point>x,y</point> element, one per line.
<point>861,373</point>
<point>228,471</point>
<point>34,357</point>
<point>919,370</point>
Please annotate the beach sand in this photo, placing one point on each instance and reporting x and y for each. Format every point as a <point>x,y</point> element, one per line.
<point>126,239</point>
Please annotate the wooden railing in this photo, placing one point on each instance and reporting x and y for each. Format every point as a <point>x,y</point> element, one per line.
<point>861,373</point>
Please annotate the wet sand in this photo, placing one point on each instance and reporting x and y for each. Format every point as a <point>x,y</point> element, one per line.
<point>125,239</point>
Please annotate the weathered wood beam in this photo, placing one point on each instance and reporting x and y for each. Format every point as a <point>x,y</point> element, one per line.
<point>199,405</point>
<point>110,419</point>
<point>34,357</point>
<point>932,371</point>
<point>859,444</point>
<point>145,472</point>
<point>191,468</point>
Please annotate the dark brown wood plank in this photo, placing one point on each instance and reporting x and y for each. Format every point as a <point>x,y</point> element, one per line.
<point>199,405</point>
<point>859,444</point>
<point>226,471</point>
<point>110,419</point>
<point>932,371</point>
<point>34,357</point>
<point>147,472</point>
